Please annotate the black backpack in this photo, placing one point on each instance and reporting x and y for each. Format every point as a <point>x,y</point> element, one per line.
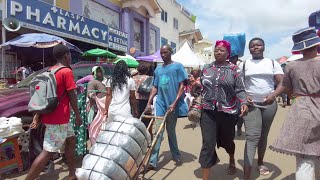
<point>146,86</point>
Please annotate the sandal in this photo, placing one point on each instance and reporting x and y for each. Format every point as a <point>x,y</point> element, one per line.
<point>232,169</point>
<point>263,170</point>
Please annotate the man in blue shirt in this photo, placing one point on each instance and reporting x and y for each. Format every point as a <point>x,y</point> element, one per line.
<point>169,81</point>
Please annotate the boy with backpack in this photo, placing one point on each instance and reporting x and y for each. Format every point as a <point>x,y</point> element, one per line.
<point>51,93</point>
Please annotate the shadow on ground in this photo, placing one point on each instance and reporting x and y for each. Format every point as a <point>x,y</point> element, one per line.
<point>60,166</point>
<point>191,126</point>
<point>275,171</point>
<point>290,177</point>
<point>166,158</point>
<point>220,171</point>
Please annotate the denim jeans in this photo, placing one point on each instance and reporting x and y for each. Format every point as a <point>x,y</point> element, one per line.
<point>172,138</point>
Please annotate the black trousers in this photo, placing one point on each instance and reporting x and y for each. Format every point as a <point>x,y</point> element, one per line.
<point>217,128</point>
<point>142,103</point>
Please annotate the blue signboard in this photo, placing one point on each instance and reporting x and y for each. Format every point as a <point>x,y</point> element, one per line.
<point>34,14</point>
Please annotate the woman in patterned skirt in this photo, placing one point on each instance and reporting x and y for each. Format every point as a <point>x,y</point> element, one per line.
<point>300,133</point>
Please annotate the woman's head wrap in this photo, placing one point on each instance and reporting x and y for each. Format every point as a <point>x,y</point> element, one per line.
<point>94,71</point>
<point>225,44</point>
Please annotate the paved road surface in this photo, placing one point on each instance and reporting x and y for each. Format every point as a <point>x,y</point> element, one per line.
<point>189,139</point>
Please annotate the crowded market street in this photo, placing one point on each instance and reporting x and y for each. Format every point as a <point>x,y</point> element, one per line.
<point>189,139</point>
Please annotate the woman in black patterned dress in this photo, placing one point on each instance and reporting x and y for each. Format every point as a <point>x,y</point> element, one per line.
<point>222,90</point>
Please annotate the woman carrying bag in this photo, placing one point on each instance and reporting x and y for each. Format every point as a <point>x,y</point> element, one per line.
<point>222,91</point>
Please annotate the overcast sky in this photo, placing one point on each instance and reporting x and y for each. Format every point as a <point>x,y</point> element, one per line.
<point>272,20</point>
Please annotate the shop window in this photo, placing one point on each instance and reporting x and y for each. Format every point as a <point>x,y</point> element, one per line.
<point>152,41</point>
<point>173,46</point>
<point>164,16</point>
<point>175,23</point>
<point>138,34</point>
<point>164,41</point>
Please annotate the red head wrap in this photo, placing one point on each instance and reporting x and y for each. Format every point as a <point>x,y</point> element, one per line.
<point>225,44</point>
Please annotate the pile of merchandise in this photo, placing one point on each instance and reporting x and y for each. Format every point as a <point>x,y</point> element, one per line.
<point>10,126</point>
<point>118,152</point>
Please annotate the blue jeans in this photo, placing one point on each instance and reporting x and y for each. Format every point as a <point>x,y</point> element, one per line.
<point>172,138</point>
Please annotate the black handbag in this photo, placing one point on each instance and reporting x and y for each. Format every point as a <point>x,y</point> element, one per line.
<point>146,86</point>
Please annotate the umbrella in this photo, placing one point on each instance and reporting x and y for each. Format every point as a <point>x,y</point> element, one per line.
<point>99,53</point>
<point>36,41</point>
<point>132,63</point>
<point>126,56</point>
<point>156,57</point>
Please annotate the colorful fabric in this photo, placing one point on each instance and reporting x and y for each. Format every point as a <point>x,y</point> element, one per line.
<point>225,44</point>
<point>85,79</point>
<point>56,135</point>
<point>81,131</point>
<point>65,82</point>
<point>223,88</point>
<point>100,118</point>
<point>167,79</point>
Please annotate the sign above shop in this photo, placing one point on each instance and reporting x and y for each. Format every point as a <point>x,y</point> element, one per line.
<point>118,40</point>
<point>34,14</point>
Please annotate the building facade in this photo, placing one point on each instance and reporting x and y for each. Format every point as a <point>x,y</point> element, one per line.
<point>121,26</point>
<point>176,24</point>
<point>205,48</point>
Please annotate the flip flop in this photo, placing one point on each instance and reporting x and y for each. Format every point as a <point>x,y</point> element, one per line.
<point>232,169</point>
<point>263,170</point>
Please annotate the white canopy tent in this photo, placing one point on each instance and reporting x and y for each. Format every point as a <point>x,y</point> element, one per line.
<point>187,57</point>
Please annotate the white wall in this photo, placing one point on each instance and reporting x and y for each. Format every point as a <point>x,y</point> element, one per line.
<point>167,29</point>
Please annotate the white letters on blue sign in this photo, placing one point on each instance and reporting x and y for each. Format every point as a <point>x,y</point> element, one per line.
<point>15,7</point>
<point>65,23</point>
<point>35,14</point>
<point>48,20</point>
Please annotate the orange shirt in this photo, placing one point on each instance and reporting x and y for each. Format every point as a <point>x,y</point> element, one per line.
<point>65,82</point>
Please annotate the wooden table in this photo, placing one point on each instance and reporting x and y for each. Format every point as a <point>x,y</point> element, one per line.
<point>10,157</point>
